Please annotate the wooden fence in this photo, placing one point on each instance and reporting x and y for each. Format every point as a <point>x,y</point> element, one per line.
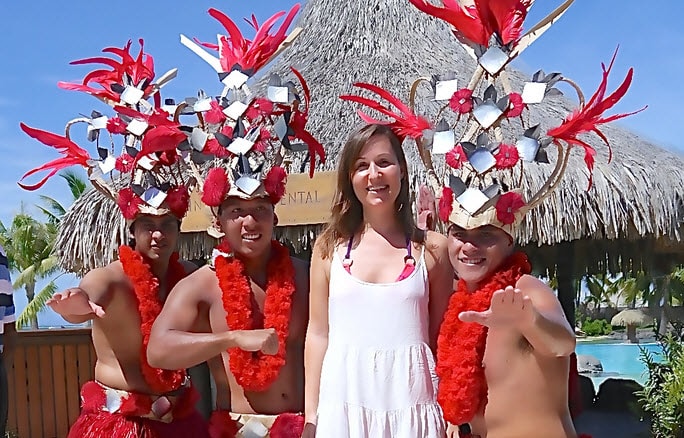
<point>45,378</point>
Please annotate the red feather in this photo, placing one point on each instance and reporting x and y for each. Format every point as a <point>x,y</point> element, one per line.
<point>215,188</point>
<point>446,204</point>
<point>298,125</point>
<point>250,56</point>
<point>160,139</point>
<point>137,69</point>
<point>590,116</point>
<point>274,183</point>
<point>464,20</point>
<point>503,17</point>
<point>73,155</point>
<point>405,123</point>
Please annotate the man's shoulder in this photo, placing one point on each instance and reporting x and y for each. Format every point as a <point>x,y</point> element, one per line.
<point>530,282</point>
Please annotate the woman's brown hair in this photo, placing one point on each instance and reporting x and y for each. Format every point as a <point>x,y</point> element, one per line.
<point>347,213</point>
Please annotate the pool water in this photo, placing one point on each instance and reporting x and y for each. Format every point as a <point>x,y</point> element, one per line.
<point>619,360</point>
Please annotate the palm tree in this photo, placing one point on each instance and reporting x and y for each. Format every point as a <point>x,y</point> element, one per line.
<point>659,293</point>
<point>601,291</point>
<point>29,244</point>
<point>52,209</point>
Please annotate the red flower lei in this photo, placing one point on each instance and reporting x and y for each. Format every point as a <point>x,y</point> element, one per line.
<point>460,347</point>
<point>146,287</point>
<point>256,371</point>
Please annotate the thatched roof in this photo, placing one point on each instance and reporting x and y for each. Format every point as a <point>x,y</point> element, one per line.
<point>634,317</point>
<point>640,193</point>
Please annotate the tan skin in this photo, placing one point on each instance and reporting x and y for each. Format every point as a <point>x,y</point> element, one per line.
<point>192,327</point>
<point>378,257</point>
<point>106,296</point>
<point>529,342</point>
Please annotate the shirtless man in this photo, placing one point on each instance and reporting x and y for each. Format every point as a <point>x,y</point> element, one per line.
<point>207,316</point>
<point>528,340</point>
<point>113,297</point>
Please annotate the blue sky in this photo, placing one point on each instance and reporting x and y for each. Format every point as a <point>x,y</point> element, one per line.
<point>40,38</point>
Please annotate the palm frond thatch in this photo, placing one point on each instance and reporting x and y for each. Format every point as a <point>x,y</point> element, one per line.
<point>639,195</point>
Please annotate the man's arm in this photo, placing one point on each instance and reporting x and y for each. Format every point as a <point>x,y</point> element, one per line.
<point>316,342</point>
<point>175,344</point>
<point>549,331</point>
<point>531,308</point>
<point>87,301</point>
<point>441,277</point>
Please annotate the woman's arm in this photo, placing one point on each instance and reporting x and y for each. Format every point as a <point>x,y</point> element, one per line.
<point>441,278</point>
<point>316,342</point>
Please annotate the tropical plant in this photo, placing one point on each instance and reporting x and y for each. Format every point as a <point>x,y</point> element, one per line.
<point>601,290</point>
<point>53,209</point>
<point>29,244</point>
<point>596,327</point>
<point>662,394</point>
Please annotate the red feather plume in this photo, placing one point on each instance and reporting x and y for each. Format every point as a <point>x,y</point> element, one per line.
<point>138,69</point>
<point>446,204</point>
<point>464,19</point>
<point>274,183</point>
<point>73,155</point>
<point>298,125</point>
<point>161,139</point>
<point>405,123</point>
<point>215,188</point>
<point>477,23</point>
<point>590,116</point>
<point>250,56</point>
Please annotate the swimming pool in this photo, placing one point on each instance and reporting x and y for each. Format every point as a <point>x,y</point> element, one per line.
<point>619,360</point>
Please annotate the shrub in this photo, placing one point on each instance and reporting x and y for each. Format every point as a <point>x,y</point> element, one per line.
<point>596,327</point>
<point>662,394</point>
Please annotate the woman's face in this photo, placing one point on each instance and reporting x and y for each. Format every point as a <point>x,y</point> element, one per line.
<point>376,174</point>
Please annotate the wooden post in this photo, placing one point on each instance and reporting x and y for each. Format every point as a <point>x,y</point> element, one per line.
<point>565,267</point>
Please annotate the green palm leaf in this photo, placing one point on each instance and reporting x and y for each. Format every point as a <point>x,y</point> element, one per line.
<point>33,308</point>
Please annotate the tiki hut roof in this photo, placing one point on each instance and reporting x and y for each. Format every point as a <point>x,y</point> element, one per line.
<point>640,193</point>
<point>635,317</point>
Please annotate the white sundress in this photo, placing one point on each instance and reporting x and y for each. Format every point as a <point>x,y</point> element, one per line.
<point>378,376</point>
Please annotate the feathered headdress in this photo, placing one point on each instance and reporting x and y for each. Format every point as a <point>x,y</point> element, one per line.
<point>247,136</point>
<point>142,167</point>
<point>481,134</point>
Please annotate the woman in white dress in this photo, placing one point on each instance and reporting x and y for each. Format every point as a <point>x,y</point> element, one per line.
<point>379,288</point>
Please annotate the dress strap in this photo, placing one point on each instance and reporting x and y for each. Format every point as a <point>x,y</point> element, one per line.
<point>409,260</point>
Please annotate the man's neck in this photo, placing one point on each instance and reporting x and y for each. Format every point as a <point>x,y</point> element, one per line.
<point>257,267</point>
<point>159,267</point>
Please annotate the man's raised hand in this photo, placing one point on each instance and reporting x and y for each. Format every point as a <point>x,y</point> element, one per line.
<point>509,308</point>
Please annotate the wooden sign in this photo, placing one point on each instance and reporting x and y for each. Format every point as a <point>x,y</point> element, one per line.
<point>306,201</point>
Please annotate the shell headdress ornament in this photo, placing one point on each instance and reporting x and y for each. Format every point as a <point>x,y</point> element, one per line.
<point>481,133</point>
<point>248,137</point>
<point>138,162</point>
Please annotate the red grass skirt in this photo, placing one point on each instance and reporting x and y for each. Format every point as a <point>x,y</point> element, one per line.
<point>129,419</point>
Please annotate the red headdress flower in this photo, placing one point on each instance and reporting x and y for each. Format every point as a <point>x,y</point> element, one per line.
<point>215,187</point>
